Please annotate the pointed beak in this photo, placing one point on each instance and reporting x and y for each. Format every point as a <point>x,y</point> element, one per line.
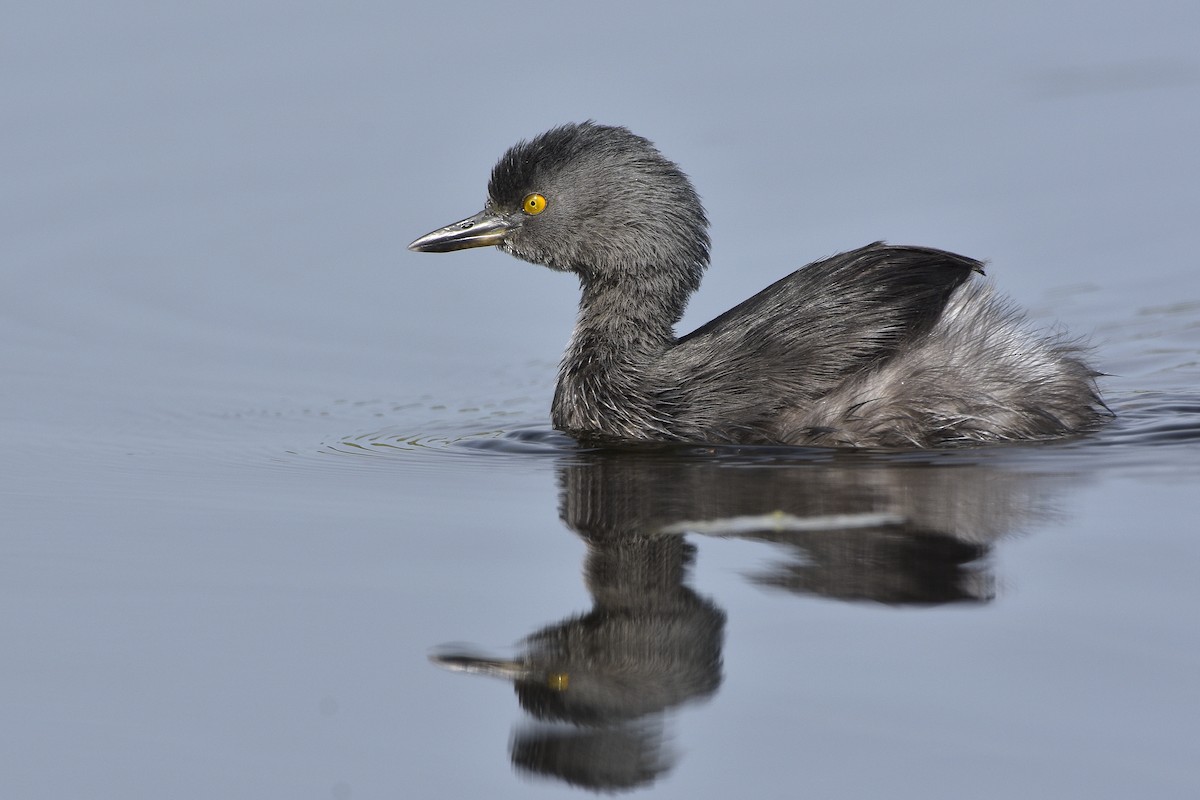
<point>482,230</point>
<point>496,667</point>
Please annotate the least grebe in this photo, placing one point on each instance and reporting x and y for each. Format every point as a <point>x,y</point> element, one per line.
<point>883,346</point>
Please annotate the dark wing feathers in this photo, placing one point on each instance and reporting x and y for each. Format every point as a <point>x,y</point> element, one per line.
<point>829,319</point>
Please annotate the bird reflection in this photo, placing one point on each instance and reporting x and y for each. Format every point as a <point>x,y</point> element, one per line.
<point>599,688</point>
<point>600,683</point>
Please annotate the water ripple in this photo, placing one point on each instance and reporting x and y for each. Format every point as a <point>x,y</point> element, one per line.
<point>522,440</point>
<point>1148,427</point>
<point>1154,419</point>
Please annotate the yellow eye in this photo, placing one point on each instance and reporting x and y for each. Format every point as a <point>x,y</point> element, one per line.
<point>534,204</point>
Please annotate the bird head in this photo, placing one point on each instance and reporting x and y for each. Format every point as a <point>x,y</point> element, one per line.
<point>591,199</point>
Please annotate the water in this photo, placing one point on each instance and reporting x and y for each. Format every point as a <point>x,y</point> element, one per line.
<point>284,513</point>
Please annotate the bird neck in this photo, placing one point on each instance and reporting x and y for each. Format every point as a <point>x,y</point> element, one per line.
<point>607,383</point>
<point>620,324</point>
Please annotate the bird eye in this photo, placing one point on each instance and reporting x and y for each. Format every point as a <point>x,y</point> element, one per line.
<point>534,204</point>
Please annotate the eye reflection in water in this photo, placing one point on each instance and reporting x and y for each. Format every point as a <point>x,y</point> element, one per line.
<point>599,688</point>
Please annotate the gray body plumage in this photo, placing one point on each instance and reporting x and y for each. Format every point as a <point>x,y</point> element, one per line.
<point>884,346</point>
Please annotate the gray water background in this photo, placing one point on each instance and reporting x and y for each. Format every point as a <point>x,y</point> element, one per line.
<point>259,461</point>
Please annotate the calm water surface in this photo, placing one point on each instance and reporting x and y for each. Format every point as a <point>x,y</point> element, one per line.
<point>283,513</point>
